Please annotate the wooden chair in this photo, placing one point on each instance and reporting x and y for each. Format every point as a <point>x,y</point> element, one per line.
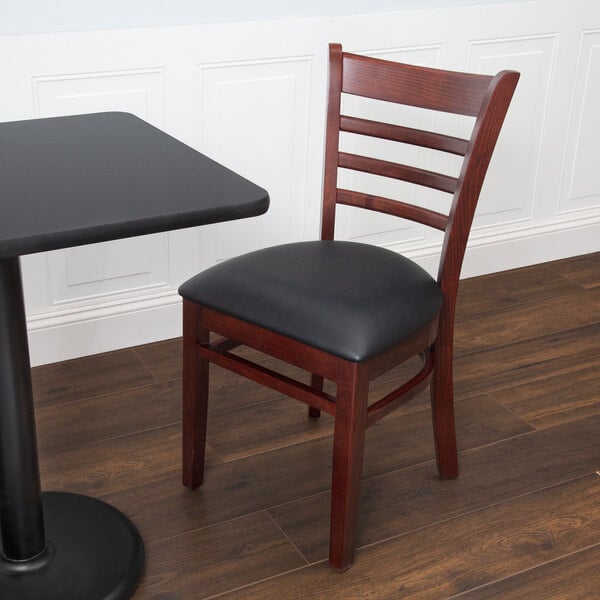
<point>344,311</point>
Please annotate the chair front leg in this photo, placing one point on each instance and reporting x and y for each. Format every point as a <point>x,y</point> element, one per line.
<point>195,397</point>
<point>348,451</point>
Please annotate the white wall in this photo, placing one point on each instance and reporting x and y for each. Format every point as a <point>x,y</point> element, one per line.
<point>43,16</point>
<point>252,95</point>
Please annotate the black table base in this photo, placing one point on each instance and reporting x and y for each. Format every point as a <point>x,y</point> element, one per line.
<point>93,552</point>
<point>53,546</point>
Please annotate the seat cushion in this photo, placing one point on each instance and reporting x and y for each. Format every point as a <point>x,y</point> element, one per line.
<point>352,300</point>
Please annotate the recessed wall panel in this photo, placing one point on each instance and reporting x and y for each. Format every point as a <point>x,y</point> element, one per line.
<point>124,266</point>
<point>581,186</point>
<point>510,186</point>
<point>253,119</point>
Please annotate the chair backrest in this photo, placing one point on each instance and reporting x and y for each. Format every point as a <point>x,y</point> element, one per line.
<point>481,96</point>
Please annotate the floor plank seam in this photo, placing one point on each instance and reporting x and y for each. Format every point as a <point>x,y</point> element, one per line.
<point>494,347</point>
<point>204,527</point>
<point>513,413</point>
<point>288,538</point>
<point>140,358</point>
<point>99,396</point>
<point>214,449</point>
<point>265,579</point>
<point>79,446</point>
<point>554,270</point>
<point>523,571</point>
<point>271,449</point>
<point>467,451</point>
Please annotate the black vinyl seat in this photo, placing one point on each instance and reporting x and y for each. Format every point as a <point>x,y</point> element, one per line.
<point>353,300</point>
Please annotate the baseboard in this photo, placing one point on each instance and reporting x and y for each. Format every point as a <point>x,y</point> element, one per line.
<point>70,334</point>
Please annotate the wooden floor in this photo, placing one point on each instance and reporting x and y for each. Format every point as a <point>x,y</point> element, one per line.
<point>521,522</point>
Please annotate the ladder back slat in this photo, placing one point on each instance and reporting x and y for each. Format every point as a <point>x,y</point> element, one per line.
<point>437,181</point>
<point>435,89</point>
<point>406,135</point>
<point>396,208</point>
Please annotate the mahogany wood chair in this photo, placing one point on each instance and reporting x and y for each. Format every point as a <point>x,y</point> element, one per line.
<point>346,311</point>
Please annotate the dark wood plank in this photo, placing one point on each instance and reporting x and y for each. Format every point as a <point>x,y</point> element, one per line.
<point>554,400</point>
<point>215,559</point>
<point>116,464</point>
<point>399,502</point>
<point>574,577</point>
<point>480,295</point>
<point>267,479</point>
<point>264,427</point>
<point>527,321</point>
<point>458,554</point>
<point>583,270</point>
<point>88,376</point>
<point>100,418</point>
<point>529,360</point>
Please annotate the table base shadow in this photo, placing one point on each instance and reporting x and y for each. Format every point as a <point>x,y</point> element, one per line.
<point>93,552</point>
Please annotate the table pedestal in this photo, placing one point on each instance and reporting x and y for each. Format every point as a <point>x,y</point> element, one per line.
<point>54,546</point>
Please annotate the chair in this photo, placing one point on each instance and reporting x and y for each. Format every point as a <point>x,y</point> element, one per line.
<point>347,311</point>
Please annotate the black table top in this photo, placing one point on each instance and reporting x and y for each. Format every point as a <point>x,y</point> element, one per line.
<point>66,181</point>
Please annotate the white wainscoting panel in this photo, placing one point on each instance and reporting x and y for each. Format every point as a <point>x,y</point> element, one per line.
<point>581,188</point>
<point>509,189</point>
<point>254,119</point>
<point>97,271</point>
<point>140,92</point>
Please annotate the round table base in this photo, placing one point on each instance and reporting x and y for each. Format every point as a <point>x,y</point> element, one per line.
<point>93,552</point>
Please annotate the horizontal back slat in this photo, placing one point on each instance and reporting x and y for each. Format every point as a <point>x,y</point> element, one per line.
<point>437,181</point>
<point>393,207</point>
<point>406,135</point>
<point>434,89</point>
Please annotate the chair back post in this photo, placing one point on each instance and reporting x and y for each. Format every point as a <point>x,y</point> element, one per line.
<point>332,140</point>
<point>479,153</point>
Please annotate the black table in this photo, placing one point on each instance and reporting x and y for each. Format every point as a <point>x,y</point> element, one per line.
<point>68,181</point>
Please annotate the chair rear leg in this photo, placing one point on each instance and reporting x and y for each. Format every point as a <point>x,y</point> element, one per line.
<point>442,408</point>
<point>348,451</point>
<point>195,397</point>
<point>316,381</point>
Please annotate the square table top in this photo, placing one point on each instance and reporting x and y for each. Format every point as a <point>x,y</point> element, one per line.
<point>67,181</point>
